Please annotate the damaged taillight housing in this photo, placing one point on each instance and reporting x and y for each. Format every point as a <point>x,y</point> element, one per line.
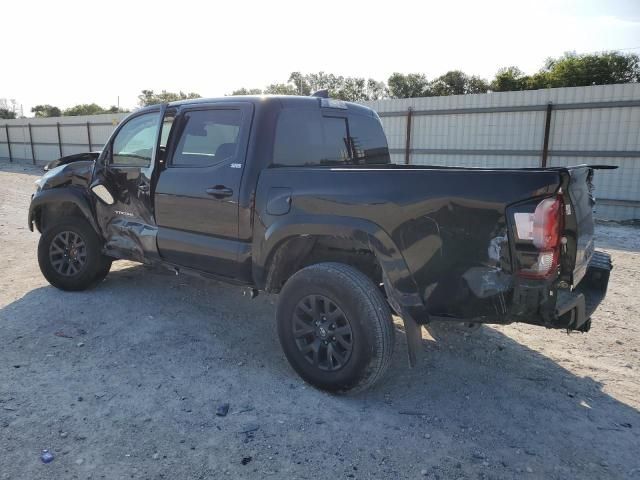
<point>538,237</point>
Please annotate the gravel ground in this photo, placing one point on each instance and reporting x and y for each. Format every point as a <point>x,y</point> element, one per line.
<point>124,382</point>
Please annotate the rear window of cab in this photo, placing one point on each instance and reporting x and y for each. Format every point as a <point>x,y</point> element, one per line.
<point>311,137</point>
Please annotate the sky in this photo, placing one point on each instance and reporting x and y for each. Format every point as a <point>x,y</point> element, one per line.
<point>69,52</point>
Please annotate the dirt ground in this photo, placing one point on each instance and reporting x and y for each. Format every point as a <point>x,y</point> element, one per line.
<point>123,382</point>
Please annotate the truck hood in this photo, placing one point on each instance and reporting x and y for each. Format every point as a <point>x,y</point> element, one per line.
<point>77,173</point>
<point>76,157</point>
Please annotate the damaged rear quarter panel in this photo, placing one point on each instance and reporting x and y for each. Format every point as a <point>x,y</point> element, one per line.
<point>447,227</point>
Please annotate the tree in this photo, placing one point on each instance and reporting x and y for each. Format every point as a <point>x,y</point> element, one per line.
<point>456,82</point>
<point>300,83</point>
<point>324,81</point>
<point>115,109</point>
<point>7,114</point>
<point>376,90</point>
<point>357,89</point>
<point>280,89</point>
<point>148,97</point>
<point>408,86</point>
<point>247,91</point>
<point>84,109</point>
<point>8,109</point>
<point>508,79</point>
<point>46,111</point>
<point>572,70</point>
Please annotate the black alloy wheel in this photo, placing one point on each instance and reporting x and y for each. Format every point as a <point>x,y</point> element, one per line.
<point>322,332</point>
<point>68,253</point>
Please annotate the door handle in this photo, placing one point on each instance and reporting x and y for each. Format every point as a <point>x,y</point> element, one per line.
<point>143,187</point>
<point>219,191</point>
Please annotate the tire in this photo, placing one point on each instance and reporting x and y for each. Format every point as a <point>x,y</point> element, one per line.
<point>351,346</point>
<point>85,264</point>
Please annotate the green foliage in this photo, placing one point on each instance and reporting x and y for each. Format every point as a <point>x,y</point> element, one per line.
<point>46,111</point>
<point>8,109</point>
<point>572,70</point>
<point>90,109</point>
<point>280,89</point>
<point>343,88</point>
<point>456,82</point>
<point>149,97</point>
<point>84,109</point>
<point>114,109</point>
<point>300,83</point>
<point>410,85</point>
<point>508,79</point>
<point>7,114</point>
<point>247,91</point>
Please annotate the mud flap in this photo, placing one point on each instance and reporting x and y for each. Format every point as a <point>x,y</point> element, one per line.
<point>413,331</point>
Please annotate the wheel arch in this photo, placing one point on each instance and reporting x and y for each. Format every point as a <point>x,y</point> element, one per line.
<point>289,245</point>
<point>48,206</point>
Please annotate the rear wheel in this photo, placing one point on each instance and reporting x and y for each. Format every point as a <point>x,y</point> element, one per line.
<point>70,257</point>
<point>335,327</point>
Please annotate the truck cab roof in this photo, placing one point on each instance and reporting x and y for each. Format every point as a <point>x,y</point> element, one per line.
<point>279,102</point>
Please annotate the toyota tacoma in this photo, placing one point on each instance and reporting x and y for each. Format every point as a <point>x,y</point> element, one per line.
<point>298,196</point>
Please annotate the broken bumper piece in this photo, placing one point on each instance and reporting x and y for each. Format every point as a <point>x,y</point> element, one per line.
<point>574,308</point>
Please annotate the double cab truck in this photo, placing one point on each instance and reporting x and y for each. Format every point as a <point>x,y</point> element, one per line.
<point>297,196</point>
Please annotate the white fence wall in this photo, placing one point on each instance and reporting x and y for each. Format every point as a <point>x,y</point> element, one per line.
<point>596,125</point>
<point>74,135</point>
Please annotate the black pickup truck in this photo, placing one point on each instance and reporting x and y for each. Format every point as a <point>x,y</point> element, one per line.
<point>297,196</point>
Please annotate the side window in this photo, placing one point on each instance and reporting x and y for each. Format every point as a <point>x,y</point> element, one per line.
<point>336,144</point>
<point>208,137</point>
<point>305,137</point>
<point>133,145</point>
<point>368,140</point>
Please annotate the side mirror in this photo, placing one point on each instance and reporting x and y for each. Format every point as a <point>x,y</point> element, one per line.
<point>103,194</point>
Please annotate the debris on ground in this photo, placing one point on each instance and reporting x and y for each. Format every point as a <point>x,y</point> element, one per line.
<point>47,456</point>
<point>222,410</point>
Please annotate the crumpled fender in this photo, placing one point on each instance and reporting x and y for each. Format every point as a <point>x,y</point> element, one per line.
<point>362,231</point>
<point>74,195</point>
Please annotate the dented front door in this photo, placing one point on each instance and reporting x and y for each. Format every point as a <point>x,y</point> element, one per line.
<point>126,168</point>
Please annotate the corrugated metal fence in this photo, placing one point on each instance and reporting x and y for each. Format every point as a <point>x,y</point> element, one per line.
<point>554,127</point>
<point>40,140</point>
<point>560,126</point>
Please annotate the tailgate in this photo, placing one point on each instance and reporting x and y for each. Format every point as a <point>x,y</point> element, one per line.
<point>579,224</point>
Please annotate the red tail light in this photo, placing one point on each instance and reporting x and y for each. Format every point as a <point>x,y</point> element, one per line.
<point>541,230</point>
<point>546,224</point>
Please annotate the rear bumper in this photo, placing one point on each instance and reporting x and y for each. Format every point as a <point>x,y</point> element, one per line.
<point>574,308</point>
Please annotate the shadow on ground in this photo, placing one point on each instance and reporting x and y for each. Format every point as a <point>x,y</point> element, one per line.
<point>133,372</point>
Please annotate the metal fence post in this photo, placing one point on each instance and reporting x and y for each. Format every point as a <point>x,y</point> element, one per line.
<point>89,134</point>
<point>407,148</point>
<point>33,154</point>
<point>547,130</point>
<point>59,139</point>
<point>6,129</point>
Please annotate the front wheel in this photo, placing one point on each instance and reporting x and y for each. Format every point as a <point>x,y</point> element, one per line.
<point>335,327</point>
<point>70,257</point>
